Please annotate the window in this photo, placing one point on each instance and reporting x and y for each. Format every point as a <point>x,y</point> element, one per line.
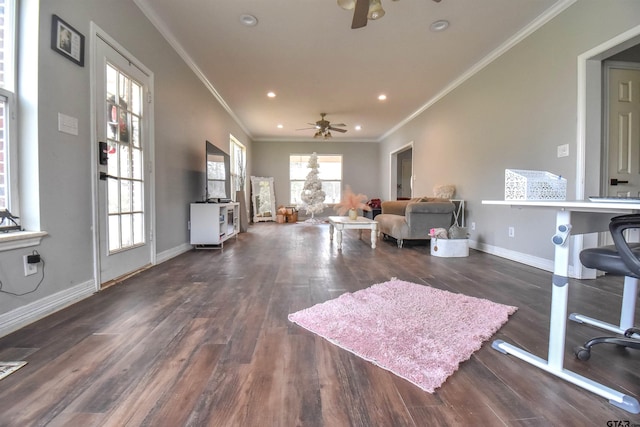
<point>329,172</point>
<point>8,151</point>
<point>238,165</point>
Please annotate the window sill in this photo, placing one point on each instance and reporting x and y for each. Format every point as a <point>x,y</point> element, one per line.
<point>20,239</point>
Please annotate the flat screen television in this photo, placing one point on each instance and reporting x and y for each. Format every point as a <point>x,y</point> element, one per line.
<point>218,174</point>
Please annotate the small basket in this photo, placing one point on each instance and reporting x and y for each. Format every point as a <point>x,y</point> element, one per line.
<point>533,185</point>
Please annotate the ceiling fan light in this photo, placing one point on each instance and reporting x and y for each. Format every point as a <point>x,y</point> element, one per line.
<point>317,134</point>
<point>327,135</point>
<point>347,4</point>
<point>375,10</point>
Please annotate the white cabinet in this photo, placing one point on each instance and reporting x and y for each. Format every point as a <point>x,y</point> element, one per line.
<point>213,223</point>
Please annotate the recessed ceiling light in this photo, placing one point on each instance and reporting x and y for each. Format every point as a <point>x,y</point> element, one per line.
<point>280,126</point>
<point>248,20</point>
<point>271,94</point>
<point>439,25</point>
<point>358,127</point>
<point>382,97</point>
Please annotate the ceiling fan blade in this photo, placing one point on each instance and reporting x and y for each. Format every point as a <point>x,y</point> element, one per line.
<point>338,124</point>
<point>337,129</point>
<point>360,14</point>
<point>307,128</point>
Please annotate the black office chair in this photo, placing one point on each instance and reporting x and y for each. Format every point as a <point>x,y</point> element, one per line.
<point>621,259</point>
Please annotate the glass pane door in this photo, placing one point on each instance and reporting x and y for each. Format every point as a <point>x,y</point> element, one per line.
<point>125,190</point>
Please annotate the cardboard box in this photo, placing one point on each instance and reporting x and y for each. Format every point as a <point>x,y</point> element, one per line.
<point>280,219</point>
<point>450,248</point>
<point>292,217</point>
<point>291,214</point>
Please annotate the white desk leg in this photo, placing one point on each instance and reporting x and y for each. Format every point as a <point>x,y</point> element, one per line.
<point>557,331</point>
<point>339,236</point>
<point>374,235</point>
<point>559,297</point>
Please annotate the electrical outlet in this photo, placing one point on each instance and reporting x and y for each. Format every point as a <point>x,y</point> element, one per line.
<point>473,226</point>
<point>29,269</point>
<point>512,232</point>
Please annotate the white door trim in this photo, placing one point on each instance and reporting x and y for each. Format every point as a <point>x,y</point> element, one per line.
<point>589,73</point>
<point>97,33</point>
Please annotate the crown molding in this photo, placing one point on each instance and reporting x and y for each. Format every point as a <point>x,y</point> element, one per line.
<point>533,26</point>
<point>143,5</point>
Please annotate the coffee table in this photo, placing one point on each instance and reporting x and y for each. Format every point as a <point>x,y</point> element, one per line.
<point>344,223</point>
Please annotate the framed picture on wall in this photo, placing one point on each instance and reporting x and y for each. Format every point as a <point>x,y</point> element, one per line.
<point>67,41</point>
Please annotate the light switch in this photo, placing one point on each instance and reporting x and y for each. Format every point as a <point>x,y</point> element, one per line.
<point>67,124</point>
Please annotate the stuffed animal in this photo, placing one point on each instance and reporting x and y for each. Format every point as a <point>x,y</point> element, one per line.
<point>444,191</point>
<point>438,233</point>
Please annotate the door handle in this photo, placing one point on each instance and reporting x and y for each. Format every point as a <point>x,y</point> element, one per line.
<point>615,181</point>
<point>104,176</point>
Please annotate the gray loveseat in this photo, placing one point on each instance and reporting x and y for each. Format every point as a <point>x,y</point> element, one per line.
<point>412,219</point>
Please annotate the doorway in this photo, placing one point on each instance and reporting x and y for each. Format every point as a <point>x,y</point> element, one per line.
<point>592,153</point>
<point>122,113</point>
<point>401,173</point>
<point>405,172</point>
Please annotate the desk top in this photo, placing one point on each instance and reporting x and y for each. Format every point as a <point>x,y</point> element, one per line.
<point>569,205</point>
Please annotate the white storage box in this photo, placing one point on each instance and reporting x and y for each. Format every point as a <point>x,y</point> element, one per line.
<point>533,185</point>
<point>448,248</point>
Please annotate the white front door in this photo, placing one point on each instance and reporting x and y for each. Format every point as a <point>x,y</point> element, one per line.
<point>122,98</point>
<point>623,133</point>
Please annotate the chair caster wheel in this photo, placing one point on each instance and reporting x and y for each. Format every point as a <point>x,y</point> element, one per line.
<point>582,353</point>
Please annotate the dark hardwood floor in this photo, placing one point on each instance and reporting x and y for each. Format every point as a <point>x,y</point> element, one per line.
<point>203,340</point>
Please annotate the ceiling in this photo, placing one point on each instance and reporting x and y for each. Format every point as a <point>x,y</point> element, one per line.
<point>306,52</point>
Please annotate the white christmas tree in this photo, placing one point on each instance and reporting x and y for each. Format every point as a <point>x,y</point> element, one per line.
<point>312,195</point>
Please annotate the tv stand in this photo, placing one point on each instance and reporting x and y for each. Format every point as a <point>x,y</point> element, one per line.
<point>211,224</point>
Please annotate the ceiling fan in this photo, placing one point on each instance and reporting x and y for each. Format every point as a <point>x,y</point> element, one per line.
<point>324,127</point>
<point>364,10</point>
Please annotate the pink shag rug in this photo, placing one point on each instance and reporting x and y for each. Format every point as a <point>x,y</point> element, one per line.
<point>417,332</point>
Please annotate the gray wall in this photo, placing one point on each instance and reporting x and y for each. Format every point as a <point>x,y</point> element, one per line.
<point>57,193</point>
<point>512,114</point>
<point>358,165</point>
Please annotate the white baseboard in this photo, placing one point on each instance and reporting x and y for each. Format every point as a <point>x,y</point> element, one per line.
<point>37,310</point>
<point>173,252</point>
<point>537,262</point>
<point>27,314</point>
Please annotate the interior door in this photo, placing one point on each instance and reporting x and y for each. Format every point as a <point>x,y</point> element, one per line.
<point>123,197</point>
<point>623,132</point>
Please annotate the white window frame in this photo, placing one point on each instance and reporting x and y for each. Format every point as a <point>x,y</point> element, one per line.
<point>8,93</point>
<point>238,169</point>
<point>320,161</point>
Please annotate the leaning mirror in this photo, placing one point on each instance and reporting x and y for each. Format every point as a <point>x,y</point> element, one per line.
<point>263,198</point>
